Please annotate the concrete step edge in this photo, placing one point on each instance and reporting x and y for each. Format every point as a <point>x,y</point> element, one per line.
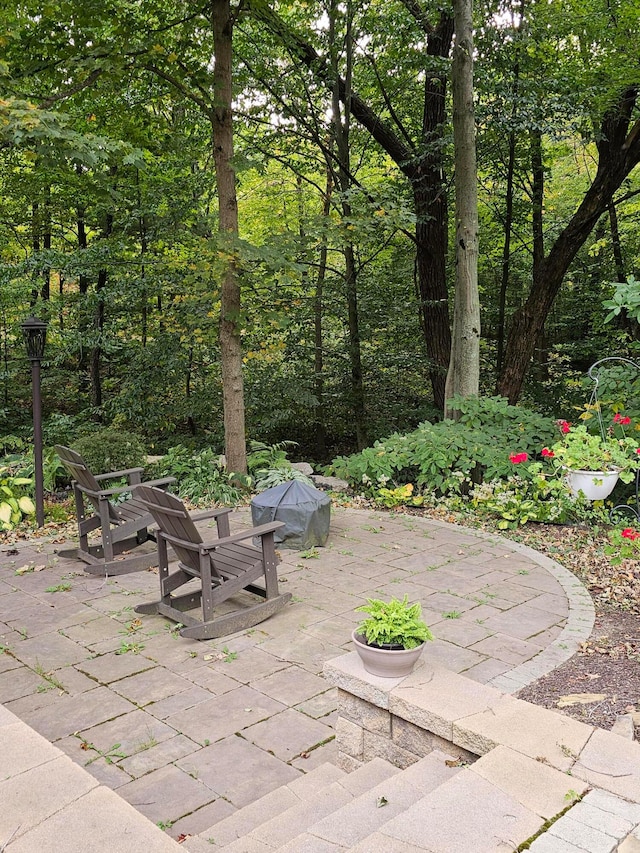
<point>281,828</point>
<point>270,805</point>
<point>366,813</point>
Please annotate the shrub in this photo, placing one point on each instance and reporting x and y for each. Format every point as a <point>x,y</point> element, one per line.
<point>201,477</point>
<point>449,457</point>
<point>111,450</point>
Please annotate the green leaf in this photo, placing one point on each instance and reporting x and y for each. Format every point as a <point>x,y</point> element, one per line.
<point>26,505</point>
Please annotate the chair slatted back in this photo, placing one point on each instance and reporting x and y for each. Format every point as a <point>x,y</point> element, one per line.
<point>77,468</point>
<point>171,516</point>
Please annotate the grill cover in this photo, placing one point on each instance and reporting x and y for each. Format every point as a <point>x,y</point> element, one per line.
<point>305,511</point>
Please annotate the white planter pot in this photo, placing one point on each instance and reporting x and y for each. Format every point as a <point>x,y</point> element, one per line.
<point>595,485</point>
<point>387,663</point>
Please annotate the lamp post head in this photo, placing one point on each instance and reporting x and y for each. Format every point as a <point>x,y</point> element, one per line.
<point>35,335</point>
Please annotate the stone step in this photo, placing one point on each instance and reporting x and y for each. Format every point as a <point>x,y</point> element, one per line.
<point>366,813</point>
<point>240,823</point>
<point>280,829</point>
<point>496,803</point>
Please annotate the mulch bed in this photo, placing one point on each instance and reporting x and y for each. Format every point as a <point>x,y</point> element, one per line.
<point>607,666</point>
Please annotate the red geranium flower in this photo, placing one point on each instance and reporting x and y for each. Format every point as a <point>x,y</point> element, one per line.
<point>564,426</point>
<point>549,454</point>
<point>517,458</point>
<point>630,533</point>
<point>623,420</point>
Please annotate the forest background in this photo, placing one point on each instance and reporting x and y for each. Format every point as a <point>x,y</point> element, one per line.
<point>342,167</point>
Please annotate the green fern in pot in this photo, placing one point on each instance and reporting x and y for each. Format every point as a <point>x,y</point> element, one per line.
<point>394,624</point>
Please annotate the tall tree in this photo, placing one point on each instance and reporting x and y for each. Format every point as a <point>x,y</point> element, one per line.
<point>222,21</point>
<point>463,378</point>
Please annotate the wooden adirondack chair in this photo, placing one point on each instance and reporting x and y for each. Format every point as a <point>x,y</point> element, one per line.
<point>222,568</point>
<point>124,525</point>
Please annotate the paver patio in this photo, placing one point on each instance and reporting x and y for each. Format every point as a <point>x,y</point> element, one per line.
<point>188,732</point>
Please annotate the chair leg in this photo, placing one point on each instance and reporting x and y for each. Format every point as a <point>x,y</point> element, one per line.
<point>107,541</point>
<point>270,563</point>
<point>83,540</point>
<point>207,589</point>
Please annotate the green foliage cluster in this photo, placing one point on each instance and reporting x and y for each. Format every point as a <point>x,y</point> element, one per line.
<point>14,503</point>
<point>200,475</point>
<point>450,457</point>
<point>624,544</point>
<point>530,495</point>
<point>269,466</point>
<point>625,297</point>
<point>111,450</point>
<point>580,450</point>
<point>393,623</point>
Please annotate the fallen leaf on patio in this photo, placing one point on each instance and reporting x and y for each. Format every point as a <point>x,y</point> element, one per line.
<point>381,801</point>
<point>208,657</point>
<point>183,837</point>
<point>23,570</point>
<point>39,568</point>
<point>454,762</point>
<point>579,699</point>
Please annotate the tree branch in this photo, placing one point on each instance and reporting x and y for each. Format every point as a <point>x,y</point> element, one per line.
<point>361,111</point>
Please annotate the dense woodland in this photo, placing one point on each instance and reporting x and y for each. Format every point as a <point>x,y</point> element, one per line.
<point>342,265</point>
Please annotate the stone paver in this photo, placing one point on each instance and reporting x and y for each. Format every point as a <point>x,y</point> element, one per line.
<point>222,710</point>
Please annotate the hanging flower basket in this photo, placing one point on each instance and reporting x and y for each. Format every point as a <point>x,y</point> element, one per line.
<point>594,485</point>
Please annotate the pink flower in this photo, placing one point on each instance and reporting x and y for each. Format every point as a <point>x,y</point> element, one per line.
<point>623,420</point>
<point>564,426</point>
<point>549,454</point>
<point>517,458</point>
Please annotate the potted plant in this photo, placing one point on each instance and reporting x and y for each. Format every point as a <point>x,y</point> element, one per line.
<point>594,463</point>
<point>392,638</point>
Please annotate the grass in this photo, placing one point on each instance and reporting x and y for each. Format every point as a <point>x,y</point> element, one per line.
<point>64,586</point>
<point>126,647</point>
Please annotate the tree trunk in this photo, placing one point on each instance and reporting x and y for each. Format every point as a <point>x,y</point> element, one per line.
<point>230,343</point>
<point>341,128</point>
<point>463,379</point>
<point>45,291</point>
<point>318,309</point>
<point>508,215</point>
<point>98,324</point>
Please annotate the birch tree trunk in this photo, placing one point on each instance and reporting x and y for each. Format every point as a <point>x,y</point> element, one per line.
<point>230,343</point>
<point>463,377</point>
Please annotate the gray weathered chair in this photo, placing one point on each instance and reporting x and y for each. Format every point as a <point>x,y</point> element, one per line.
<point>222,568</point>
<point>123,525</point>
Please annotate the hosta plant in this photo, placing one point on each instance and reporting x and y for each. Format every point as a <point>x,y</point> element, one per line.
<point>14,504</point>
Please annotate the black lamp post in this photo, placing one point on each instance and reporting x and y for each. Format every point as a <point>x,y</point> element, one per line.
<point>35,335</point>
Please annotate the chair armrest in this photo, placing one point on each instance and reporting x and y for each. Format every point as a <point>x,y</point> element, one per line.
<point>118,490</point>
<point>208,513</point>
<point>262,530</point>
<point>113,475</point>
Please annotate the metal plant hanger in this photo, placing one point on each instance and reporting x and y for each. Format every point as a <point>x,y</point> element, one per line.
<point>594,374</point>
